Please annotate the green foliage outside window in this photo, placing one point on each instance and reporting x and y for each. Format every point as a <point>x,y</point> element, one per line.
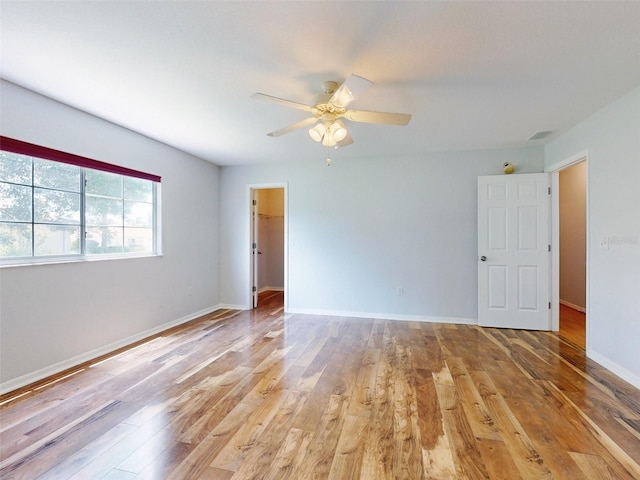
<point>41,206</point>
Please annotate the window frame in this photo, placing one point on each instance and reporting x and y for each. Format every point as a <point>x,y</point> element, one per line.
<point>19,147</point>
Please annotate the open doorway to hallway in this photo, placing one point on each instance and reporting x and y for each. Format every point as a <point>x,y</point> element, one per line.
<point>268,242</point>
<point>573,255</point>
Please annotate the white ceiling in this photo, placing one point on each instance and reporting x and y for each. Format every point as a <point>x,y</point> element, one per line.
<point>474,75</point>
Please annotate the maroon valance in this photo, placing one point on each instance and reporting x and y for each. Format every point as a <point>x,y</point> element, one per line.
<point>24,148</point>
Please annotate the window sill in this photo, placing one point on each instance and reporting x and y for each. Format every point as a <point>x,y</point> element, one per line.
<point>28,262</point>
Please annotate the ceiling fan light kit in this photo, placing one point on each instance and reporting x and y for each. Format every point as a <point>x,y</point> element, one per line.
<point>329,107</point>
<point>338,131</point>
<point>317,132</point>
<point>330,132</point>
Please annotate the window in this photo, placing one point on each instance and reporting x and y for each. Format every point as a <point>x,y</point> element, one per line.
<point>118,213</point>
<point>52,208</point>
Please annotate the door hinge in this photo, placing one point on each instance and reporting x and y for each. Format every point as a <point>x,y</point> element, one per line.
<point>254,202</point>
<point>254,289</point>
<point>548,190</point>
<point>254,245</point>
<point>549,248</point>
<point>549,305</point>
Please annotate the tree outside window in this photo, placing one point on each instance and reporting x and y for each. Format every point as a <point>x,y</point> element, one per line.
<point>41,205</point>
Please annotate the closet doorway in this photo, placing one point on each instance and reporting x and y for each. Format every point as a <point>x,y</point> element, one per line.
<point>572,190</point>
<point>268,242</point>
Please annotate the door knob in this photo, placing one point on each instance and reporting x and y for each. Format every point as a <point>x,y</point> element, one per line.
<point>483,258</point>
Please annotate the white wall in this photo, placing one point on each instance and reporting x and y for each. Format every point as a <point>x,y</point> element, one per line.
<point>573,235</point>
<point>612,138</point>
<point>52,316</point>
<point>360,229</point>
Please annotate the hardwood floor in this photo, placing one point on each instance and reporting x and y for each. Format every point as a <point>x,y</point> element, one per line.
<point>573,326</point>
<point>259,394</point>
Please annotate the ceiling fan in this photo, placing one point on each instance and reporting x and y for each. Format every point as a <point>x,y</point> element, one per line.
<point>328,108</point>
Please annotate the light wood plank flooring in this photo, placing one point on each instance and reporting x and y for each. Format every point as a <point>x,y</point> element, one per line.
<point>259,394</point>
<point>573,326</point>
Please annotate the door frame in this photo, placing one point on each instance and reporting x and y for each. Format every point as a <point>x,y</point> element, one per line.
<point>255,239</point>
<point>554,170</point>
<point>249,197</point>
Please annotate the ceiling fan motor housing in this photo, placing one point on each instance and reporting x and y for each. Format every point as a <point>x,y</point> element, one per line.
<point>321,106</point>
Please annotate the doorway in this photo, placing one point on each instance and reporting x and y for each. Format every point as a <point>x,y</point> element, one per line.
<point>268,242</point>
<point>572,249</point>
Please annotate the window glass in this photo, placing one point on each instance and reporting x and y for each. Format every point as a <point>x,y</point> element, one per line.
<point>104,240</point>
<point>138,239</point>
<point>138,214</point>
<point>103,211</point>
<point>56,175</point>
<point>15,168</point>
<point>57,239</point>
<point>117,201</point>
<point>138,189</point>
<point>15,203</point>
<point>55,206</point>
<point>103,183</point>
<point>15,239</point>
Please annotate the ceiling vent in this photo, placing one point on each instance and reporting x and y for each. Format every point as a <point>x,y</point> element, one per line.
<point>540,135</point>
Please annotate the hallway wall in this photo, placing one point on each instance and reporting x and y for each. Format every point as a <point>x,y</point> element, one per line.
<point>573,236</point>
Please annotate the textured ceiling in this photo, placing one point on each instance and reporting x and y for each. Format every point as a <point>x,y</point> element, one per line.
<point>474,75</point>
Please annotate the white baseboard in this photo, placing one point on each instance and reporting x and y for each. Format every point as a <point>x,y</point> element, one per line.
<point>622,372</point>
<point>572,305</point>
<point>271,289</point>
<point>385,316</point>
<point>230,306</point>
<point>50,370</point>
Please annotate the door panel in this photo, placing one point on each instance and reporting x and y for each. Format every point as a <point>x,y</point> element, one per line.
<point>498,231</point>
<point>527,287</point>
<point>513,252</point>
<point>497,287</point>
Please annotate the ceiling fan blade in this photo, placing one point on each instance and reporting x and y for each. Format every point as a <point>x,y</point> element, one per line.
<point>295,126</point>
<point>345,141</point>
<point>281,101</point>
<point>377,117</point>
<point>349,90</point>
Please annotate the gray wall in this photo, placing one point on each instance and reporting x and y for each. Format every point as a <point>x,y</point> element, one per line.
<point>361,228</point>
<point>611,137</point>
<point>53,316</point>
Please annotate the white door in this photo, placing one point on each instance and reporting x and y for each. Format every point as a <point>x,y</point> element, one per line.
<point>514,251</point>
<point>254,247</point>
